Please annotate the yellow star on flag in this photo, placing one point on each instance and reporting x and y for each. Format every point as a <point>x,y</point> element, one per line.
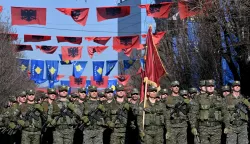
<point>99,70</point>
<point>23,67</point>
<point>113,87</point>
<point>66,61</point>
<point>52,70</point>
<point>38,70</point>
<point>78,68</point>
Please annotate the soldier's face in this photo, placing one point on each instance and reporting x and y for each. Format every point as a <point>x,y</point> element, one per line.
<point>109,95</point>
<point>31,97</point>
<point>210,89</point>
<point>63,93</point>
<point>22,99</point>
<point>135,97</point>
<point>203,88</point>
<point>225,93</point>
<point>175,89</point>
<point>102,99</point>
<point>236,88</point>
<point>93,94</point>
<point>82,95</point>
<point>120,93</point>
<point>52,96</point>
<point>164,96</point>
<point>153,94</point>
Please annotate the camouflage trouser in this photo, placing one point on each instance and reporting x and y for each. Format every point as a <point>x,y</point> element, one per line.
<point>210,135</point>
<point>154,136</point>
<point>30,137</point>
<point>238,136</point>
<point>118,136</point>
<point>63,136</point>
<point>177,136</point>
<point>93,136</point>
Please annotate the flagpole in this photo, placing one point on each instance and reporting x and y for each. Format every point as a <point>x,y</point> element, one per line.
<point>144,103</point>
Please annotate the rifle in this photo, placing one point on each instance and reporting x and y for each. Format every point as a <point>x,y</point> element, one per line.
<point>177,108</point>
<point>241,107</point>
<point>65,112</point>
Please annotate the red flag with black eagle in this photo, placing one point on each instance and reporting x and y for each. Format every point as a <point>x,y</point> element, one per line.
<point>47,49</point>
<point>21,47</point>
<point>93,49</point>
<point>11,36</point>
<point>160,10</point>
<point>73,40</point>
<point>71,52</point>
<point>188,9</point>
<point>123,79</point>
<point>79,15</point>
<point>36,38</point>
<point>104,13</point>
<point>126,42</point>
<point>77,82</point>
<point>103,84</point>
<point>99,40</point>
<point>28,16</point>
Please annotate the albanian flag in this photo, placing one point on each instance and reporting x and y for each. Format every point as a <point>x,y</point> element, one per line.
<point>99,40</point>
<point>36,38</point>
<point>104,13</point>
<point>160,10</point>
<point>79,15</point>
<point>98,49</point>
<point>126,42</point>
<point>21,47</point>
<point>122,79</point>
<point>158,36</point>
<point>28,16</point>
<point>71,52</point>
<point>77,82</point>
<point>47,49</point>
<point>188,9</point>
<point>73,40</point>
<point>102,84</point>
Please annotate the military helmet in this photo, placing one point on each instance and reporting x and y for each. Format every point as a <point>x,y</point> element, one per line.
<point>63,88</point>
<point>225,88</point>
<point>152,88</point>
<point>135,91</point>
<point>22,94</point>
<point>202,83</point>
<point>74,95</point>
<point>12,99</point>
<point>92,88</point>
<point>236,83</point>
<point>210,82</point>
<point>107,90</point>
<point>119,87</point>
<point>192,90</point>
<point>183,92</point>
<point>30,92</point>
<point>175,83</point>
<point>82,90</point>
<point>44,96</point>
<point>164,91</point>
<point>101,94</point>
<point>51,91</point>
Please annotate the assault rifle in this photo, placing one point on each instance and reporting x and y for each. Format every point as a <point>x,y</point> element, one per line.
<point>178,108</point>
<point>241,107</point>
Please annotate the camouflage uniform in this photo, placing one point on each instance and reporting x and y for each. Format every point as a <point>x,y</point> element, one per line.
<point>237,107</point>
<point>164,94</point>
<point>209,111</point>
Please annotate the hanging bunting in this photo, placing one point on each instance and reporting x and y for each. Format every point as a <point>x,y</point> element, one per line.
<point>128,63</point>
<point>36,38</point>
<point>64,62</point>
<point>88,83</point>
<point>21,47</point>
<point>79,15</point>
<point>101,84</point>
<point>112,84</point>
<point>98,49</point>
<point>47,49</point>
<point>11,36</point>
<point>123,79</point>
<point>28,16</point>
<point>126,42</point>
<point>98,70</point>
<point>188,9</point>
<point>73,40</point>
<point>99,40</point>
<point>37,71</point>
<point>160,10</point>
<point>110,64</point>
<point>59,77</point>
<point>52,69</point>
<point>71,52</point>
<point>24,64</point>
<point>78,68</point>
<point>1,8</point>
<point>158,36</point>
<point>66,83</point>
<point>104,13</point>
<point>77,82</point>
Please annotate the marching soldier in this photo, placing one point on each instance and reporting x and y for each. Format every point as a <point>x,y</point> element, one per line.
<point>163,94</point>
<point>225,90</point>
<point>202,87</point>
<point>102,97</point>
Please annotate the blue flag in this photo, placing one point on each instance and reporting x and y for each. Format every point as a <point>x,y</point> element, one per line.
<point>112,84</point>
<point>24,64</point>
<point>52,69</point>
<point>37,71</point>
<point>128,63</point>
<point>78,68</point>
<point>66,83</point>
<point>88,83</point>
<point>98,70</point>
<point>65,62</point>
<point>227,74</point>
<point>142,62</point>
<point>110,66</point>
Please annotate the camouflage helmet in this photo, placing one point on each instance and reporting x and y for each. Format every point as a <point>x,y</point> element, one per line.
<point>175,83</point>
<point>22,94</point>
<point>192,90</point>
<point>30,92</point>
<point>74,95</point>
<point>202,83</point>
<point>164,91</point>
<point>107,90</point>
<point>183,92</point>
<point>225,88</point>
<point>63,88</point>
<point>152,88</point>
<point>44,96</point>
<point>119,87</point>
<point>92,88</point>
<point>210,82</point>
<point>12,99</point>
<point>236,83</point>
<point>82,90</point>
<point>101,94</point>
<point>51,91</point>
<point>135,91</point>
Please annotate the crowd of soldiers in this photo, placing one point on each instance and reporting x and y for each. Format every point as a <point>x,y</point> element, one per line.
<point>169,116</point>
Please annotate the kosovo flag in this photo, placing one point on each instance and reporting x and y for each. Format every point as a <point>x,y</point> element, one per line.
<point>52,83</point>
<point>128,63</point>
<point>142,62</point>
<point>65,62</point>
<point>37,70</point>
<point>24,64</point>
<point>88,83</point>
<point>110,66</point>
<point>78,68</point>
<point>52,69</point>
<point>66,83</point>
<point>97,70</point>
<point>112,84</point>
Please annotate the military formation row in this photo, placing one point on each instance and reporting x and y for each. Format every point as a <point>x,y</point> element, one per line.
<point>106,117</point>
